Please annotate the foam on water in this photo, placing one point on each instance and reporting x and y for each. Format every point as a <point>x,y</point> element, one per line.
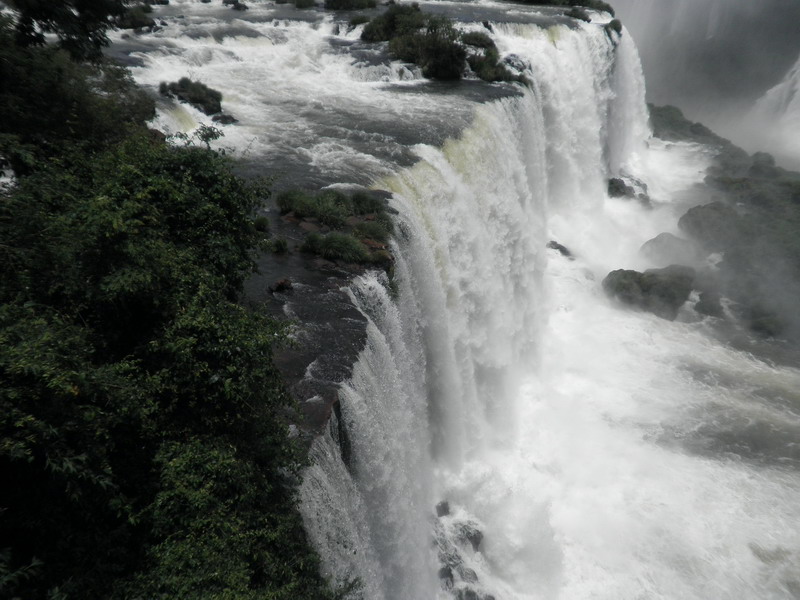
<point>585,451</point>
<point>580,439</point>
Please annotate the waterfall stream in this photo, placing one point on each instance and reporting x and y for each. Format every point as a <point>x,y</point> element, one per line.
<point>512,433</point>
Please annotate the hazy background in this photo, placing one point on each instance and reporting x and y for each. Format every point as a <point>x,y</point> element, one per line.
<point>726,63</point>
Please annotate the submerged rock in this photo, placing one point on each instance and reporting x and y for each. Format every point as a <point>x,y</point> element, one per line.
<point>628,187</point>
<point>617,188</point>
<point>224,119</point>
<point>563,250</point>
<point>469,532</point>
<point>659,291</point>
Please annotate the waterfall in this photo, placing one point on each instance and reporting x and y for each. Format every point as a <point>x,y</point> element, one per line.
<point>715,58</point>
<point>507,431</point>
<point>776,117</point>
<point>511,434</point>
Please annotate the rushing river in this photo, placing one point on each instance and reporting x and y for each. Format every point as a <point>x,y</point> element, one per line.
<point>584,451</point>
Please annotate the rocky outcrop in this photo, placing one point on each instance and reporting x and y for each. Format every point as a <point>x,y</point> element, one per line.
<point>668,249</point>
<point>659,291</point>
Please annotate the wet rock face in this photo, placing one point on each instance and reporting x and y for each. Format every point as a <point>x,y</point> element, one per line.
<point>659,291</point>
<point>716,226</point>
<point>563,250</point>
<point>668,249</point>
<point>629,187</point>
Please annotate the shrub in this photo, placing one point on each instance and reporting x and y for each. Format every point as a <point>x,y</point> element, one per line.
<point>578,13</point>
<point>136,17</point>
<point>437,50</point>
<point>373,230</point>
<point>336,246</point>
<point>399,19</point>
<point>280,246</point>
<point>359,20</point>
<point>364,204</point>
<point>615,26</point>
<point>261,223</point>
<point>329,207</point>
<point>593,4</point>
<point>349,4</point>
<point>477,39</point>
<point>487,66</point>
<point>195,93</point>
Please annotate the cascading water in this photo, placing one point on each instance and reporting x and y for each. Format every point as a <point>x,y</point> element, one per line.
<point>778,113</point>
<point>583,451</point>
<point>567,437</point>
<point>715,58</point>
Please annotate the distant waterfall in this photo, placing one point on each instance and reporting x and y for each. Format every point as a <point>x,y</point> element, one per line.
<point>778,113</point>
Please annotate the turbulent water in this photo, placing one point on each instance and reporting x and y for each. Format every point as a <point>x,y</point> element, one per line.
<point>584,451</point>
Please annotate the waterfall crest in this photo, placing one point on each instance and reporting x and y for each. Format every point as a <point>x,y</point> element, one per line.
<point>436,387</point>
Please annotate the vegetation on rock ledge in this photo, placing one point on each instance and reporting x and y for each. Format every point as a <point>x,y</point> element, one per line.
<point>433,43</point>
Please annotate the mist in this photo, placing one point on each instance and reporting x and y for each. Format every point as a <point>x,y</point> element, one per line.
<point>733,65</point>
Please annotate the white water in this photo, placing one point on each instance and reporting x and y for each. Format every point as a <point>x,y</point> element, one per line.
<point>563,428</point>
<point>776,115</point>
<point>602,453</point>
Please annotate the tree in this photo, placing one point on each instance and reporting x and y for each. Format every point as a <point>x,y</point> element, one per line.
<point>80,25</point>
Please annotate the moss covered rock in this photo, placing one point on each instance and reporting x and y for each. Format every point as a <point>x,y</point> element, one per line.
<point>659,291</point>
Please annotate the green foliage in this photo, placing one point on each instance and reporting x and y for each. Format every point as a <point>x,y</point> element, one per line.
<point>477,39</point>
<point>195,93</point>
<point>578,13</point>
<point>487,66</point>
<point>436,49</point>
<point>329,207</point>
<point>349,4</point>
<point>615,25</point>
<point>397,20</point>
<point>96,104</point>
<point>337,246</point>
<point>598,5</point>
<point>373,230</point>
<point>79,25</point>
<point>359,20</point>
<point>261,223</point>
<point>432,42</point>
<point>136,17</point>
<point>280,245</point>
<point>141,418</point>
<point>363,203</point>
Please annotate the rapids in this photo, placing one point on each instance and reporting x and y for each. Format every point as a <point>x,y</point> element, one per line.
<point>584,451</point>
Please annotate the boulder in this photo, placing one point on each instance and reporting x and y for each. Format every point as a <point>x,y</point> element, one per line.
<point>470,533</point>
<point>282,285</point>
<point>709,304</point>
<point>224,119</point>
<point>446,575</point>
<point>716,226</point>
<point>659,291</point>
<point>563,250</point>
<point>617,188</point>
<point>443,508</point>
<point>668,249</point>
